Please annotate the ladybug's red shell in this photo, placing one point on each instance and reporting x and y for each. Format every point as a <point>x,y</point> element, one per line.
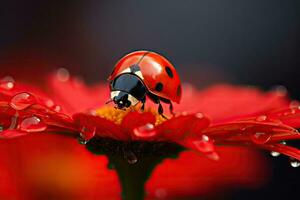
<point>157,73</point>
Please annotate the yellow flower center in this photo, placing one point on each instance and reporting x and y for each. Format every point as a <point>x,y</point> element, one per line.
<point>117,115</point>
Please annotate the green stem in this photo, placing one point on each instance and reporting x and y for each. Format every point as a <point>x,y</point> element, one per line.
<point>134,176</point>
<point>133,161</point>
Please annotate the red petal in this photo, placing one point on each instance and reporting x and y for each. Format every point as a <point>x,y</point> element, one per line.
<point>283,149</point>
<point>225,102</point>
<point>136,121</point>
<point>104,127</point>
<point>248,131</point>
<point>289,116</point>
<point>181,127</point>
<point>193,175</point>
<point>75,96</point>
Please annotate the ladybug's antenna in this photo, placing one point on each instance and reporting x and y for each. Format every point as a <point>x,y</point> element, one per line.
<point>109,101</point>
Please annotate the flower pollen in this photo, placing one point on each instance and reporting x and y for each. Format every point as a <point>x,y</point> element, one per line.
<point>117,115</point>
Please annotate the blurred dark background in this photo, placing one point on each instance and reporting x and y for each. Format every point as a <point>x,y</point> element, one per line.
<point>251,42</point>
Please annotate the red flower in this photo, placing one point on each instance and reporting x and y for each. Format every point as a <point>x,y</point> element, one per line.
<point>232,116</point>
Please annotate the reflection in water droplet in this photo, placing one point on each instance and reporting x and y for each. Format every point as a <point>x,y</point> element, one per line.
<point>275,153</point>
<point>146,130</point>
<point>86,134</point>
<point>7,83</point>
<point>32,124</point>
<point>283,142</point>
<point>1,128</point>
<point>130,157</point>
<point>260,137</point>
<point>22,100</point>
<point>294,163</point>
<point>261,118</point>
<point>63,75</point>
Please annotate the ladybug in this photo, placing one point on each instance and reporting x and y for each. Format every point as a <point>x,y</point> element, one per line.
<point>142,74</point>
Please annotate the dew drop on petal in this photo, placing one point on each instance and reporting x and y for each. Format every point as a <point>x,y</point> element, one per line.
<point>57,108</point>
<point>275,153</point>
<point>49,103</point>
<point>62,74</point>
<point>86,134</point>
<point>32,124</point>
<point>7,83</point>
<point>260,137</point>
<point>294,163</point>
<point>213,156</point>
<point>204,145</point>
<point>146,130</point>
<point>22,100</point>
<point>283,142</point>
<point>130,157</point>
<point>184,113</point>
<point>280,90</point>
<point>199,115</point>
<point>261,118</point>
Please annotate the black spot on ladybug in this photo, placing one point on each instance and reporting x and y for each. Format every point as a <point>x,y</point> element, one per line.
<point>159,87</point>
<point>134,68</point>
<point>178,90</point>
<point>169,72</point>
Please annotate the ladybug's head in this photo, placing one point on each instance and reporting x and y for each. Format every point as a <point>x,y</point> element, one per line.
<point>123,99</point>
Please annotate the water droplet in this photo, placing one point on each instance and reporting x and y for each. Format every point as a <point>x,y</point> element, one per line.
<point>49,103</point>
<point>204,145</point>
<point>280,90</point>
<point>63,74</point>
<point>86,134</point>
<point>260,137</point>
<point>283,142</point>
<point>161,193</point>
<point>32,124</point>
<point>7,83</point>
<point>184,113</point>
<point>146,130</point>
<point>261,118</point>
<point>57,108</point>
<point>243,128</point>
<point>275,153</point>
<point>22,100</point>
<point>1,128</point>
<point>199,115</point>
<point>213,156</point>
<point>294,162</point>
<point>205,138</point>
<point>130,157</point>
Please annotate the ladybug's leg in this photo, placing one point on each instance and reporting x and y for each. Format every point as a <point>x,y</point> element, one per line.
<point>161,110</point>
<point>171,108</point>
<point>156,100</point>
<point>143,103</point>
